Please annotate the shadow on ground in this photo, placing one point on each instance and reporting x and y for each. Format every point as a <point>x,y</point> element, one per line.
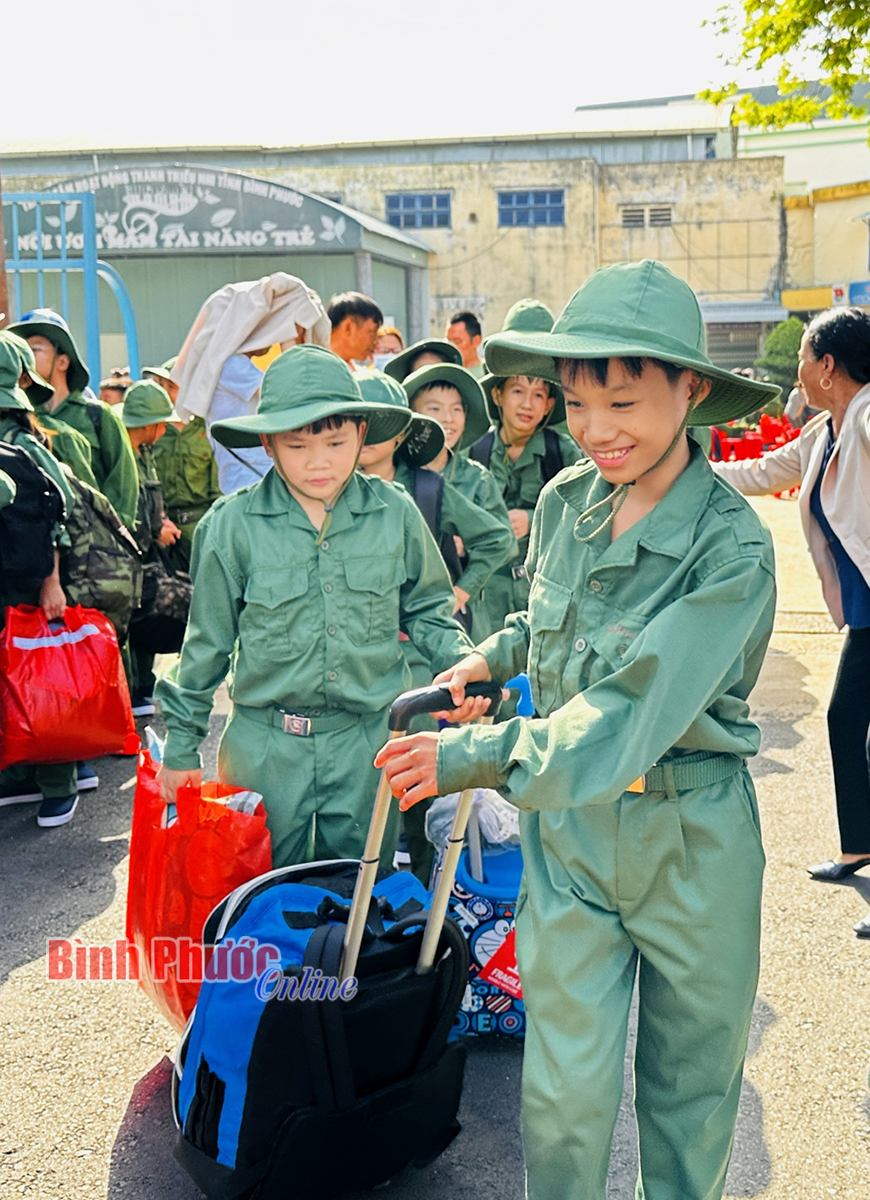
<point>778,703</point>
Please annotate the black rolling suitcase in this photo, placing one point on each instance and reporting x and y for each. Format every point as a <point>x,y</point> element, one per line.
<point>281,1097</point>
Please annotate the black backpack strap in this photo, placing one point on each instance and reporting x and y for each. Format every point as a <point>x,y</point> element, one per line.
<point>481,450</point>
<point>553,461</point>
<point>315,1036</point>
<point>332,1021</point>
<point>449,998</point>
<point>427,488</point>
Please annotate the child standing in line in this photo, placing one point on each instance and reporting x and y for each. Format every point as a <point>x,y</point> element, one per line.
<point>651,606</point>
<point>303,583</point>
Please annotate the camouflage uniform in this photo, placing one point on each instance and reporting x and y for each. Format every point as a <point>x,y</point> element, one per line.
<point>187,469</point>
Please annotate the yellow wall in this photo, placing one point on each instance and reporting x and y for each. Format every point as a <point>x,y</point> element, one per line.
<point>840,240</point>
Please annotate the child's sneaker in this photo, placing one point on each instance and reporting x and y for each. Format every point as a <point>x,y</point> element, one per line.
<point>143,706</point>
<point>18,795</point>
<point>87,778</point>
<point>57,811</point>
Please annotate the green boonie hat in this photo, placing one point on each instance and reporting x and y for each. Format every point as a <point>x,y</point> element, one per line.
<point>400,366</point>
<point>305,384</point>
<point>424,439</point>
<point>632,310</point>
<point>40,390</point>
<point>476,421</point>
<point>163,371</point>
<point>11,366</point>
<point>528,316</point>
<point>147,403</point>
<point>45,322</point>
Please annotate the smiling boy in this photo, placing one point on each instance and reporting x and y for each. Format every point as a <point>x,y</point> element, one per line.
<point>651,605</point>
<point>302,583</point>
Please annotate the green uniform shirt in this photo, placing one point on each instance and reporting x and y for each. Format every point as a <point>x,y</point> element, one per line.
<point>308,628</point>
<point>70,447</point>
<point>636,649</point>
<point>7,489</point>
<point>185,463</point>
<point>478,484</point>
<point>112,459</point>
<point>488,542</point>
<point>12,432</point>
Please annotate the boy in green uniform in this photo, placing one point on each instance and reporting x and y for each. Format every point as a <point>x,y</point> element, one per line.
<point>652,602</point>
<point>432,352</point>
<point>146,412</point>
<point>59,362</point>
<point>303,582</point>
<point>55,784</point>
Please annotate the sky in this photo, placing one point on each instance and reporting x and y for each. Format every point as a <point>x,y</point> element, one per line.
<point>179,73</point>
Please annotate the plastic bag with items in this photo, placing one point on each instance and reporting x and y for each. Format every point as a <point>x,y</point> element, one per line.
<point>498,821</point>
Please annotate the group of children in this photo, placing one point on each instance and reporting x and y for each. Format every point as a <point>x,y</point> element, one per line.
<point>553,517</point>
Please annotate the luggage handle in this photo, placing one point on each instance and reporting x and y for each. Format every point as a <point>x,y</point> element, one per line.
<point>402,710</point>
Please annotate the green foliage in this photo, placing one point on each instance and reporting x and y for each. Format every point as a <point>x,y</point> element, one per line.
<point>836,33</point>
<point>779,362</point>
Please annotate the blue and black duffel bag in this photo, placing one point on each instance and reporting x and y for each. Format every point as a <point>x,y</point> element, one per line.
<point>283,1098</point>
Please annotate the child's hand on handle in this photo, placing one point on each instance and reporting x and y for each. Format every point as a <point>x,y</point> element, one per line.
<point>170,781</point>
<point>472,669</point>
<point>411,764</point>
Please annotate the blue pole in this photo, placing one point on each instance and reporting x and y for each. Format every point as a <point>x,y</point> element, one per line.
<point>119,289</point>
<point>92,299</point>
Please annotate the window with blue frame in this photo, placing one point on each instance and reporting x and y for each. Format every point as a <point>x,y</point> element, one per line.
<point>531,208</point>
<point>418,210</point>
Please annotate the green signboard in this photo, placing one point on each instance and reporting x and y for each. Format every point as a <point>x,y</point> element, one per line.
<point>190,210</point>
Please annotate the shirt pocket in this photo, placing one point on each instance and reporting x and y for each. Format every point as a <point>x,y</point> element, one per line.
<point>611,644</point>
<point>276,605</point>
<point>373,598</point>
<point>549,646</point>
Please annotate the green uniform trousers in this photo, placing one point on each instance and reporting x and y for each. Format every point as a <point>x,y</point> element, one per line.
<point>668,890</point>
<point>318,790</point>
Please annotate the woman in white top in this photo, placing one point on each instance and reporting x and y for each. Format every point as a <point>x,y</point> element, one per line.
<point>831,460</point>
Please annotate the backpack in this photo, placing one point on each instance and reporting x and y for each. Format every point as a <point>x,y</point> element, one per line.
<point>482,449</point>
<point>103,569</point>
<point>427,489</point>
<point>27,524</point>
<point>293,1098</point>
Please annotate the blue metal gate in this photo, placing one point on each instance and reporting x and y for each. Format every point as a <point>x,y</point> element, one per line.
<point>41,251</point>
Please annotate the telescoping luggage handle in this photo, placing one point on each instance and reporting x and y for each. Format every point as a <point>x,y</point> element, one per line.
<point>407,706</point>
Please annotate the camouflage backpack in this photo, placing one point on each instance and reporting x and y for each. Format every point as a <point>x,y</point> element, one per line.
<point>103,569</point>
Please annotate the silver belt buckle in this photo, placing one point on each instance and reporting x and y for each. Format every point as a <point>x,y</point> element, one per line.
<point>298,726</point>
<point>518,571</point>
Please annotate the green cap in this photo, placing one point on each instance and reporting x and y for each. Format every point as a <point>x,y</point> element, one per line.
<point>424,439</point>
<point>147,403</point>
<point>528,316</point>
<point>476,421</point>
<point>306,384</point>
<point>400,366</point>
<point>632,310</point>
<point>40,390</point>
<point>45,322</point>
<point>163,371</point>
<point>11,366</point>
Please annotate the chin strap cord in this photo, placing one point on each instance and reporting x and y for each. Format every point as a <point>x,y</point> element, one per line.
<point>617,497</point>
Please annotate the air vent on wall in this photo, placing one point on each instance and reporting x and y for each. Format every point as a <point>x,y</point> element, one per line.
<point>661,214</point>
<point>633,217</point>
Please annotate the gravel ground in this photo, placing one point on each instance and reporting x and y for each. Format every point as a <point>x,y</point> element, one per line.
<point>83,1079</point>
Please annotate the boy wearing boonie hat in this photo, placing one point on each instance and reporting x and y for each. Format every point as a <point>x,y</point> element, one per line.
<point>302,583</point>
<point>433,352</point>
<point>652,602</point>
<point>525,447</point>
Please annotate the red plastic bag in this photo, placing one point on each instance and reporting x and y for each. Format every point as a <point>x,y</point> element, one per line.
<point>177,876</point>
<point>63,691</point>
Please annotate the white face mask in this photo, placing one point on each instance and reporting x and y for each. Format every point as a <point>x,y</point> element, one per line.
<point>380,360</point>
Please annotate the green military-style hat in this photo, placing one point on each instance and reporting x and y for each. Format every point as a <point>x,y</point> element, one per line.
<point>45,322</point>
<point>163,371</point>
<point>40,390</point>
<point>400,366</point>
<point>526,316</point>
<point>11,367</point>
<point>424,437</point>
<point>147,403</point>
<point>305,384</point>
<point>632,310</point>
<point>476,422</point>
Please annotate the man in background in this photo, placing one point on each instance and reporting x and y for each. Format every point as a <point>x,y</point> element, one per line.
<point>356,321</point>
<point>465,333</point>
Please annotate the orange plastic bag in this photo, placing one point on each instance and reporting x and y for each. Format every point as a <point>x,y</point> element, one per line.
<point>63,692</point>
<point>177,876</point>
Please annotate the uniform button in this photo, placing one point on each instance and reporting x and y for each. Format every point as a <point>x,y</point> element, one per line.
<point>333,675</point>
<point>327,587</point>
<point>620,650</point>
<point>595,585</point>
<point>580,645</point>
<point>331,630</point>
<point>324,545</point>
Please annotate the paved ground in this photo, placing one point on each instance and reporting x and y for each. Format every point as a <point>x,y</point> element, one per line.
<point>83,1078</point>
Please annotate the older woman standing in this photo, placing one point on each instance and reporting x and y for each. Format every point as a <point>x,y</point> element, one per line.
<point>831,461</point>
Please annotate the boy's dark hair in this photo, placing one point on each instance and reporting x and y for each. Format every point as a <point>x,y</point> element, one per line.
<point>550,386</point>
<point>353,304</point>
<point>27,421</point>
<point>334,422</point>
<point>469,320</point>
<point>437,383</point>
<point>598,367</point>
<point>844,333</point>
